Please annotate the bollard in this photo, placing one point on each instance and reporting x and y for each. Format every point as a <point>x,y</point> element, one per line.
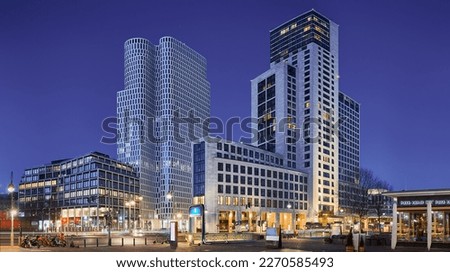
<point>134,241</point>
<point>122,241</point>
<point>84,241</point>
<point>97,242</point>
<point>145,241</point>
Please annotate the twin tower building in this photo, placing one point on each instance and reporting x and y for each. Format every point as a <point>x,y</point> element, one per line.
<point>304,156</point>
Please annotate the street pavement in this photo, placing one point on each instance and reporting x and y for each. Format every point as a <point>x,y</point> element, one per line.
<point>288,245</point>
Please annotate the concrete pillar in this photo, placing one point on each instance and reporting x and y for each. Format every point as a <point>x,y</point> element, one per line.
<point>394,224</point>
<point>429,223</point>
<point>293,220</point>
<point>238,217</point>
<point>230,221</point>
<point>277,219</point>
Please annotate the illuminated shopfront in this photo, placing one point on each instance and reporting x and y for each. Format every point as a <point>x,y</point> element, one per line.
<point>421,216</point>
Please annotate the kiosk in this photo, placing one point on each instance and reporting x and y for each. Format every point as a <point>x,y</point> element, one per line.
<point>196,213</point>
<point>173,237</point>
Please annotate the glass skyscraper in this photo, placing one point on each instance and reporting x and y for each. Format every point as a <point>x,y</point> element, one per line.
<point>349,151</point>
<point>162,109</point>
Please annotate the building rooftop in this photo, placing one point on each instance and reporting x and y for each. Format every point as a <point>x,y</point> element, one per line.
<point>424,192</point>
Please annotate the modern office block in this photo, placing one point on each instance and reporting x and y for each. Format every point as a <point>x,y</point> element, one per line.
<point>245,188</point>
<point>349,150</point>
<point>77,194</point>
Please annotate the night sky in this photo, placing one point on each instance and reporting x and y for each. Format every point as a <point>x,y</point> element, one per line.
<point>61,64</point>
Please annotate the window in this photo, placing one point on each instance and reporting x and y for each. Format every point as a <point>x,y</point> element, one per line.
<point>235,179</point>
<point>227,178</point>
<point>249,180</point>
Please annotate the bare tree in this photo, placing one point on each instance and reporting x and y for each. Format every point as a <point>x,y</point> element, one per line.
<point>368,197</point>
<point>379,203</point>
<point>360,201</point>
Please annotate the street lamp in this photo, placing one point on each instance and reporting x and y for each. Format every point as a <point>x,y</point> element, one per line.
<point>170,196</point>
<point>138,200</point>
<point>290,206</point>
<point>129,204</point>
<point>12,211</point>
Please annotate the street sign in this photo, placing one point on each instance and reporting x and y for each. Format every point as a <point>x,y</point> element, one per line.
<point>195,211</point>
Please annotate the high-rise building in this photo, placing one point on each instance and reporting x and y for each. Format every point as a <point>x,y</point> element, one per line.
<point>296,105</point>
<point>165,101</point>
<point>349,125</point>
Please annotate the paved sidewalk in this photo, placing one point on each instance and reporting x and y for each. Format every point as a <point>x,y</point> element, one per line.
<point>289,245</point>
<point>10,249</point>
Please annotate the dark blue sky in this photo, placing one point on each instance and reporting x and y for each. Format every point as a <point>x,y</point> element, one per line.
<point>61,64</point>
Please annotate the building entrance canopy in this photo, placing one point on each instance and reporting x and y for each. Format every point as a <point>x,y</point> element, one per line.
<point>421,216</point>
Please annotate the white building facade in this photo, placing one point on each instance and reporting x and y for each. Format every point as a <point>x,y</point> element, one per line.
<point>165,101</point>
<point>296,104</point>
<point>246,188</point>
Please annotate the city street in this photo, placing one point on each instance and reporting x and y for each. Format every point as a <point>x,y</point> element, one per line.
<point>288,245</point>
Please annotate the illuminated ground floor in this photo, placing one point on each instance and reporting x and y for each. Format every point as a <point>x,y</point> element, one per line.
<point>421,216</point>
<point>232,220</point>
<point>84,219</point>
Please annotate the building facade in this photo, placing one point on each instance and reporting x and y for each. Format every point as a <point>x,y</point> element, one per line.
<point>162,109</point>
<point>296,105</point>
<point>78,194</point>
<point>349,151</point>
<point>247,188</point>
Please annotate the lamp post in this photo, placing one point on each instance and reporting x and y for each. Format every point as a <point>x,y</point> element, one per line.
<point>129,204</point>
<point>12,211</point>
<point>138,200</point>
<point>171,196</point>
<point>342,227</point>
<point>290,206</point>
